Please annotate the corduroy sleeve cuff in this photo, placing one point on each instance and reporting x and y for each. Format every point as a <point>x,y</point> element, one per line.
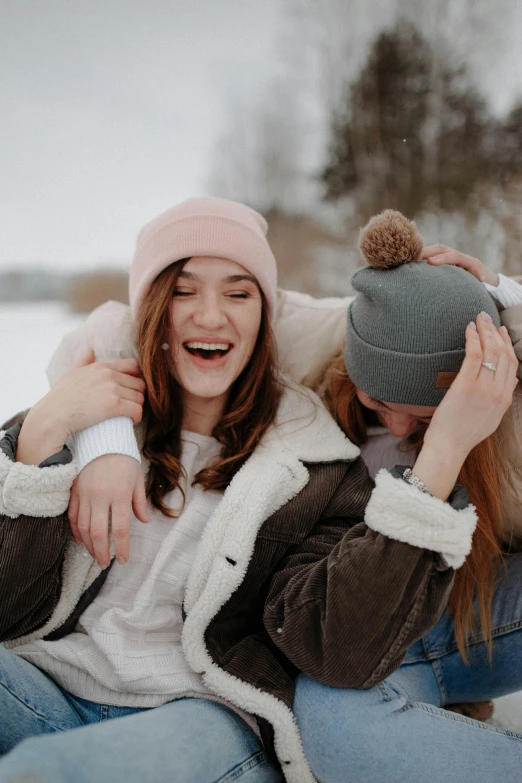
<point>400,511</point>
<point>36,491</point>
<point>112,436</point>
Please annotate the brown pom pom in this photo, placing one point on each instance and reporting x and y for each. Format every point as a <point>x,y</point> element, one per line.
<point>389,240</point>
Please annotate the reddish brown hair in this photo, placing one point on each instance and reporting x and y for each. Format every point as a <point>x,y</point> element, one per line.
<point>251,406</point>
<point>482,474</point>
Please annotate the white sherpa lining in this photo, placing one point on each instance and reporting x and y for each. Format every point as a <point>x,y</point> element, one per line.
<point>273,475</point>
<point>303,432</point>
<point>34,491</point>
<point>287,741</point>
<point>108,331</point>
<point>400,511</point>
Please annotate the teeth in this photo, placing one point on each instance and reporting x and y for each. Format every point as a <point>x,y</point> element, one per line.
<point>209,346</point>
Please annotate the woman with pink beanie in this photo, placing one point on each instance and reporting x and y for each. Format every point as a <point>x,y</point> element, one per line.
<point>173,651</point>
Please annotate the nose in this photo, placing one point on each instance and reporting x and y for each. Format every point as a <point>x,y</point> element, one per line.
<point>400,424</point>
<point>209,313</point>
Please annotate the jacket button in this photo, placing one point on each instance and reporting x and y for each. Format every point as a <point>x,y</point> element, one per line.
<point>85,554</point>
<point>279,630</point>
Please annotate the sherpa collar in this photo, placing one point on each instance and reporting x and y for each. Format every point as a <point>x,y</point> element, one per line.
<point>304,428</point>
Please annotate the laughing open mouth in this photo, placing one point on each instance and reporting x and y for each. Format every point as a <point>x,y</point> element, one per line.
<point>207,350</point>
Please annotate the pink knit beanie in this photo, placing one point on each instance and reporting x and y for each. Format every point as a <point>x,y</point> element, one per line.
<point>203,227</point>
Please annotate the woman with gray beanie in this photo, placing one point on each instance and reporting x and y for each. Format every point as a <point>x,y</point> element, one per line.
<point>393,393</point>
<point>421,509</point>
<point>176,659</point>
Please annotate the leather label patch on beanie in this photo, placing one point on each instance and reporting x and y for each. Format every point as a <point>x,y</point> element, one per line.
<point>445,379</point>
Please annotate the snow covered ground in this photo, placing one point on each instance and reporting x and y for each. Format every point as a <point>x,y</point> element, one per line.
<point>29,334</point>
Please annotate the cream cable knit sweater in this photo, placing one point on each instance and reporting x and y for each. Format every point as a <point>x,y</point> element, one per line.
<point>127,649</point>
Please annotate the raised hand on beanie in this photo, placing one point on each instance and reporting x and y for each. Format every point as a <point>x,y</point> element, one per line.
<point>407,323</point>
<point>442,254</point>
<point>427,336</point>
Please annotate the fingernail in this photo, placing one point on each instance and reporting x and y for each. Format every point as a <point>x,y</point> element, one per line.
<point>122,560</point>
<point>473,326</point>
<point>486,317</point>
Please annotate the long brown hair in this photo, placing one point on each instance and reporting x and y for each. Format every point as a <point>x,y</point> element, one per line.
<point>483,476</point>
<point>251,407</point>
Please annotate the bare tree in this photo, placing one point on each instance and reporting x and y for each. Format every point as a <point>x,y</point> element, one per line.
<point>258,158</point>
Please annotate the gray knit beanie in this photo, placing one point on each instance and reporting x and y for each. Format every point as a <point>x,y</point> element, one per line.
<point>407,322</point>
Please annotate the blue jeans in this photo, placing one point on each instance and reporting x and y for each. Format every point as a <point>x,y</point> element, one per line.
<point>50,736</point>
<point>399,732</point>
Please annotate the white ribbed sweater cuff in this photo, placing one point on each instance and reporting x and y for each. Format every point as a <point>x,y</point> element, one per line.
<point>112,436</point>
<point>507,293</point>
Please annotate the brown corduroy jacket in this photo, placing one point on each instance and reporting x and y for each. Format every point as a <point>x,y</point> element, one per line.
<point>289,574</point>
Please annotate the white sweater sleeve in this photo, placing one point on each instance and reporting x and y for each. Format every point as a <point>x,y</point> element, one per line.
<point>112,436</point>
<point>507,293</point>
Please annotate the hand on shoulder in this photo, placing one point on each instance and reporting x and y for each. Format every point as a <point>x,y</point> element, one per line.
<point>88,393</point>
<point>439,255</point>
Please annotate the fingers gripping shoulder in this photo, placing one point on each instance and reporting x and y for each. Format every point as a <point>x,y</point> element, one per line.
<point>34,491</point>
<point>108,330</point>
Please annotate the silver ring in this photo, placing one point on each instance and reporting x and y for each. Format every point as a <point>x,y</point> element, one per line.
<point>489,366</point>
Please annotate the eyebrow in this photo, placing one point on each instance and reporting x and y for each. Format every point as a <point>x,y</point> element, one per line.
<point>229,279</point>
<point>380,402</point>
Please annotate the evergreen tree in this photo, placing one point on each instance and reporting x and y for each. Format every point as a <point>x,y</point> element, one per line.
<point>395,146</point>
<point>507,146</point>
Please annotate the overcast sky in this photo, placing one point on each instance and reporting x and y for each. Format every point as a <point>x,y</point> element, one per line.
<point>110,111</point>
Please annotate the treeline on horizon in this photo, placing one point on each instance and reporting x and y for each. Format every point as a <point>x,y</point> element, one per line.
<point>415,135</point>
<point>411,132</point>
